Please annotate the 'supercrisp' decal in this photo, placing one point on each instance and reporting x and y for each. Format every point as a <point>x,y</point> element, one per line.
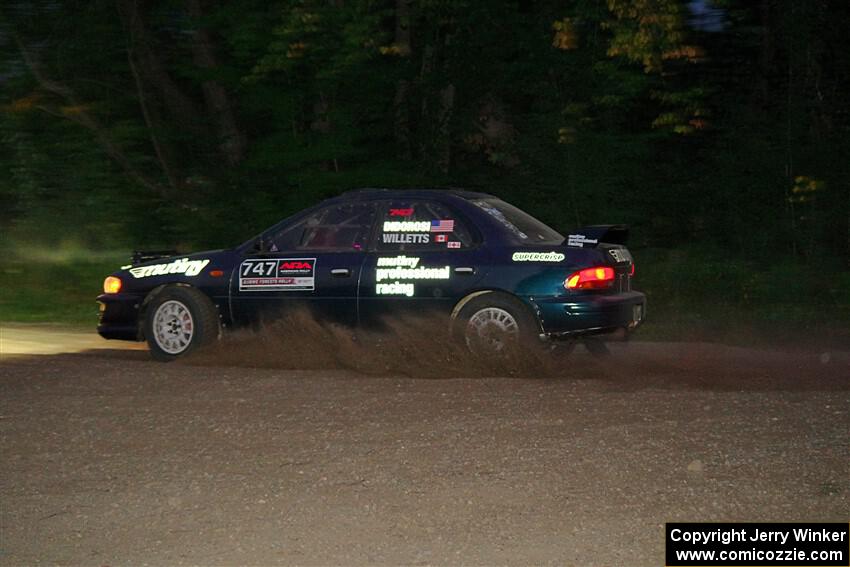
<point>538,257</point>
<point>278,274</point>
<point>182,266</point>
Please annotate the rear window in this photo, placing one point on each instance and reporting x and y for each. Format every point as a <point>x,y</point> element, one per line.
<point>520,226</point>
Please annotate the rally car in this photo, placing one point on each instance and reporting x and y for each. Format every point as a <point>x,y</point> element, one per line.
<point>497,274</point>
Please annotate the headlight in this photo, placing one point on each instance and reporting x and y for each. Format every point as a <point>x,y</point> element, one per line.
<point>111,285</point>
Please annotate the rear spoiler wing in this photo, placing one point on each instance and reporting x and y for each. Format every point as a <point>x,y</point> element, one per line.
<point>140,256</point>
<point>591,236</point>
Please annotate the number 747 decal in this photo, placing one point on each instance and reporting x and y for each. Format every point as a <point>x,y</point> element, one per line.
<point>278,274</point>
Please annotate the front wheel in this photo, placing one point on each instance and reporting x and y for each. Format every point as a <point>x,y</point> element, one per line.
<point>178,321</point>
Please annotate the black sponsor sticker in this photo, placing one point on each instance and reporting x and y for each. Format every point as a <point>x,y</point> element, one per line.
<point>278,274</point>
<point>757,544</point>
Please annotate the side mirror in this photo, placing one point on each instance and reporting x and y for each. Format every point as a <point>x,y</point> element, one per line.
<point>263,246</point>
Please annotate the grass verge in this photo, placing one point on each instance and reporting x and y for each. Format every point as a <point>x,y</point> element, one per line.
<point>54,291</point>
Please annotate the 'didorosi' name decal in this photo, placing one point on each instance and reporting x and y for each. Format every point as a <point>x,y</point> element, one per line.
<point>407,226</point>
<point>181,266</point>
<point>537,257</point>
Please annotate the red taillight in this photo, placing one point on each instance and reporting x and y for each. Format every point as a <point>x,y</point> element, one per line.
<point>111,285</point>
<point>591,278</point>
<point>632,270</point>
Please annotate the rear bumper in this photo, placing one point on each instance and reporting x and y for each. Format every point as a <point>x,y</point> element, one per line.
<point>590,313</point>
<point>119,317</point>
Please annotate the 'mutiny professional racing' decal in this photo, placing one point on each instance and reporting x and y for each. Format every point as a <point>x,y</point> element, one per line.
<point>538,257</point>
<point>278,274</point>
<point>579,240</point>
<point>405,268</point>
<point>181,266</point>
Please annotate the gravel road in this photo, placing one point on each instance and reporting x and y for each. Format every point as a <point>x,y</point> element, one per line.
<point>108,458</point>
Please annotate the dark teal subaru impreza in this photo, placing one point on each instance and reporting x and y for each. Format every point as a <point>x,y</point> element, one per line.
<point>496,273</point>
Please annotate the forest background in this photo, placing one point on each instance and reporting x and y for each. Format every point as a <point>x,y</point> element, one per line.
<point>717,129</point>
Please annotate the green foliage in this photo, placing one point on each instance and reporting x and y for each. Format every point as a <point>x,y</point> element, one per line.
<point>646,31</point>
<point>58,286</point>
<point>700,293</point>
<point>118,135</point>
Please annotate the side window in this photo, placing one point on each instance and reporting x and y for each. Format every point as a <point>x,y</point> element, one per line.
<point>343,227</point>
<point>421,225</point>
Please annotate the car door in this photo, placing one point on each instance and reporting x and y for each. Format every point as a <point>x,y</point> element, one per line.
<point>425,257</point>
<point>314,262</point>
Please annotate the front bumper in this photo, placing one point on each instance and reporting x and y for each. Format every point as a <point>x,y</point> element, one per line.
<point>119,316</point>
<point>590,313</point>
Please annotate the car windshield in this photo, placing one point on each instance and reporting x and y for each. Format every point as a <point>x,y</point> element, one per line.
<point>521,227</point>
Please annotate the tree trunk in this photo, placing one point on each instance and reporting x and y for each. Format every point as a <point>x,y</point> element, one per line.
<point>152,72</point>
<point>85,119</point>
<point>444,133</point>
<point>230,137</point>
<point>136,43</point>
<point>401,124</point>
<point>767,48</point>
<point>152,120</point>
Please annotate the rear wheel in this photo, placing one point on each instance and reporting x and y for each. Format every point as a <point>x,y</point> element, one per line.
<point>494,324</point>
<point>178,321</point>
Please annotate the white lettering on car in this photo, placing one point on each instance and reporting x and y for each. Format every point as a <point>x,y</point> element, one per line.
<point>407,226</point>
<point>181,266</point>
<point>404,268</point>
<point>537,257</point>
<point>579,240</point>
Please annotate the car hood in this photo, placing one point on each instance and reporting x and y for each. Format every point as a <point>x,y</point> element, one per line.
<point>184,267</point>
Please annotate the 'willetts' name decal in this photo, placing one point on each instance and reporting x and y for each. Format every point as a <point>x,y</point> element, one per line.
<point>405,238</point>
<point>182,266</point>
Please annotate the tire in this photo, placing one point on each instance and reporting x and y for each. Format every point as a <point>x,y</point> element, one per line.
<point>495,324</point>
<point>179,320</point>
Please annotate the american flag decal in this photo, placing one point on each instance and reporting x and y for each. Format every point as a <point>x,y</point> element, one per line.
<point>442,226</point>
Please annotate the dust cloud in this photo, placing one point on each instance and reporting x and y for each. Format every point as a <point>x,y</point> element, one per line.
<point>422,347</point>
<point>413,346</point>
